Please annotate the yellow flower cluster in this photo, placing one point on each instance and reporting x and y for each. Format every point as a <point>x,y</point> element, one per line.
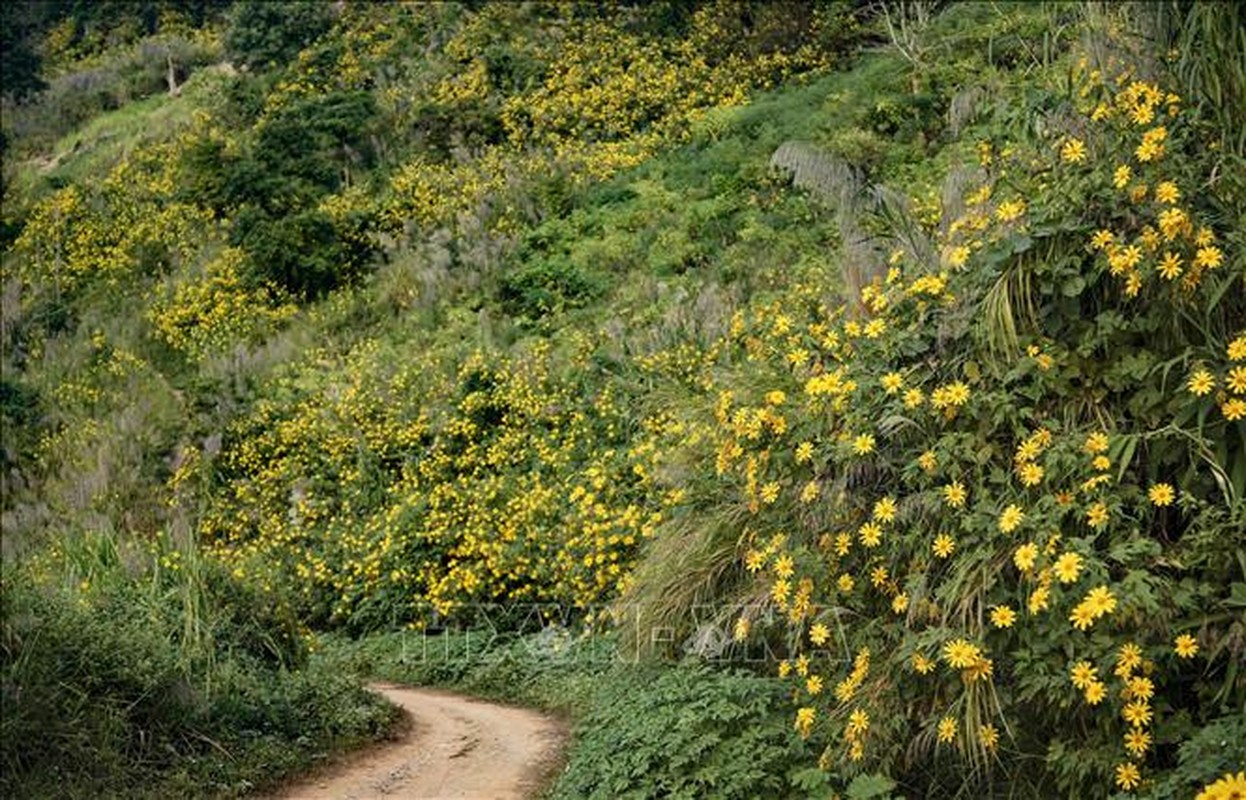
<point>609,98</point>
<point>218,310</point>
<point>439,484</point>
<point>1163,239</point>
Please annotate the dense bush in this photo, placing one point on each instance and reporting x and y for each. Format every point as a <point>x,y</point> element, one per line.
<point>132,675</point>
<point>266,34</point>
<point>686,732</point>
<point>992,507</point>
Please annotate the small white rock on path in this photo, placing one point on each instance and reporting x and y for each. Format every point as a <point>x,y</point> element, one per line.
<point>456,748</point>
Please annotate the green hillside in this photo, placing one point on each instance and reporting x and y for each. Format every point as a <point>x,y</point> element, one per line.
<point>887,361</point>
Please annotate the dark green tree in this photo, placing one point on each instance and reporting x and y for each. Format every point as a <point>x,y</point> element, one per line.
<point>268,33</point>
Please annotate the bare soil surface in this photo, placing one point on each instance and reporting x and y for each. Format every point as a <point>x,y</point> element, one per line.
<point>455,747</point>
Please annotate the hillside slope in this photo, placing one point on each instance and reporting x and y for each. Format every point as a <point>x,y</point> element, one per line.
<point>898,352</point>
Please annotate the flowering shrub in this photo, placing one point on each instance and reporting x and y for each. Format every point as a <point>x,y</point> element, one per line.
<point>432,485</point>
<point>995,510</point>
<point>218,311</point>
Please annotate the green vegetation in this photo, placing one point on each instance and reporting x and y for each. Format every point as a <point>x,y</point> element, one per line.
<point>888,360</point>
<point>641,729</point>
<point>152,673</point>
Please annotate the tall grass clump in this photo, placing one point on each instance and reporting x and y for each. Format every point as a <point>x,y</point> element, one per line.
<point>152,672</point>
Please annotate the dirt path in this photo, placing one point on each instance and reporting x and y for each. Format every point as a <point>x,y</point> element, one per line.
<point>457,747</point>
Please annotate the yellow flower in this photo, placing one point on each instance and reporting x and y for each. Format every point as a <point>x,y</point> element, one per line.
<point>1201,382</point>
<point>922,664</point>
<point>1161,494</point>
<point>878,576</point>
<point>913,398</point>
<point>1137,713</point>
<point>810,492</point>
<point>954,494</point>
<point>1123,259</point>
<point>900,603</point>
<point>1172,221</point>
<point>1142,114</point>
<point>1150,238</point>
<point>1097,515</point>
<point>955,257</point>
<point>1167,192</point>
<point>927,461</point>
<point>1236,351</point>
<point>979,670</point>
<point>1236,380</point>
<point>1003,616</point>
<point>892,382</point>
<point>770,492</point>
<point>742,628</point>
<point>1127,775</point>
<point>1083,674</point>
<point>1209,257</point>
<point>1128,658</point>
<point>813,684</point>
<point>1101,600</point>
<point>1031,474</point>
<point>1010,210</point>
<point>1096,443</point>
<point>885,510</point>
<point>804,721</point>
<point>871,534</point>
<point>1039,600</point>
<point>1073,151</point>
<point>804,452</point>
<point>988,736</point>
<point>1025,556</point>
<point>1169,266</point>
<point>1234,409</point>
<point>1082,616</point>
<point>1141,688</point>
<point>1185,646</point>
<point>947,730</point>
<point>1230,787</point>
<point>943,545</point>
<point>1101,463</point>
<point>1102,239</point>
<point>863,444</point>
<point>1095,693</point>
<point>1122,176</point>
<point>960,654</point>
<point>1011,518</point>
<point>845,583</point>
<point>1137,741</point>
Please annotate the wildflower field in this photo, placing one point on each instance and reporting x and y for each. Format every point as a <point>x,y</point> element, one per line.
<point>853,395</point>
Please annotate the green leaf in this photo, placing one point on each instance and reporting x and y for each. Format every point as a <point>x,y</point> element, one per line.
<point>1073,286</point>
<point>865,786</point>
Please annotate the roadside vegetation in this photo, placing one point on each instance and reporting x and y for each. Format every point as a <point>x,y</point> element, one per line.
<point>858,389</point>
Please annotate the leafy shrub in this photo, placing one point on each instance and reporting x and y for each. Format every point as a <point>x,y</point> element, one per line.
<point>173,679</point>
<point>981,480</point>
<point>689,732</point>
<point>303,253</point>
<point>540,288</point>
<point>267,33</point>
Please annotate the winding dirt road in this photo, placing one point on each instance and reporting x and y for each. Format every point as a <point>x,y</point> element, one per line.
<point>457,747</point>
